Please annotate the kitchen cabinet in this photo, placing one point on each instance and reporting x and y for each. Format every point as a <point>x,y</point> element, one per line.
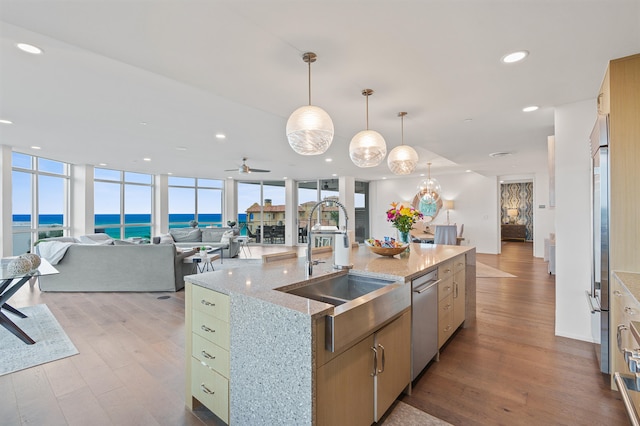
<point>357,386</point>
<point>451,297</point>
<point>459,300</point>
<point>207,349</point>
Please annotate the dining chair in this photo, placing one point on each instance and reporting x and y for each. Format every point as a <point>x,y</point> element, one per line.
<point>445,234</point>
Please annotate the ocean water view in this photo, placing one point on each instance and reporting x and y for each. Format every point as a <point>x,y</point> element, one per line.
<point>139,225</point>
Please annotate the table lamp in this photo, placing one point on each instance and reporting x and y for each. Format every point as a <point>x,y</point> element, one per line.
<point>448,204</point>
<point>512,213</point>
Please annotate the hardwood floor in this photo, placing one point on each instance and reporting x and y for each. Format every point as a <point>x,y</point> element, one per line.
<point>509,369</point>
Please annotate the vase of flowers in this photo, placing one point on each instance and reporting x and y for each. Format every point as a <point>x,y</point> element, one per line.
<point>403,218</point>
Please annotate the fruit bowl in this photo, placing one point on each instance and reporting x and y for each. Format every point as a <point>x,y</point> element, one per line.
<point>386,251</point>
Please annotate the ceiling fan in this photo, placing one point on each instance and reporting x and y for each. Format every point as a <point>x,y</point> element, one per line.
<point>244,169</point>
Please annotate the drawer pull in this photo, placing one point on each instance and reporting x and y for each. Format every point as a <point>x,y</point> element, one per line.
<point>446,271</point>
<point>621,328</point>
<point>446,307</point>
<point>629,311</point>
<point>447,328</point>
<point>207,355</point>
<point>206,389</point>
<point>617,293</point>
<point>206,303</point>
<point>447,288</point>
<point>207,329</point>
<point>381,347</point>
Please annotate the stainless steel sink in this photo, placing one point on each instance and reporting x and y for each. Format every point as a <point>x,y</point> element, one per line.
<point>361,305</point>
<point>341,289</point>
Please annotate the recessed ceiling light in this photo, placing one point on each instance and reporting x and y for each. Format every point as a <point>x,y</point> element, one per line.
<point>515,57</point>
<point>468,120</point>
<point>421,174</point>
<point>384,177</point>
<point>501,181</point>
<point>334,174</point>
<point>499,154</point>
<point>35,147</point>
<point>147,159</point>
<point>29,48</point>
<point>143,123</point>
<point>220,136</point>
<point>229,177</point>
<point>170,173</point>
<point>284,177</point>
<point>328,160</point>
<point>102,164</point>
<point>6,121</point>
<point>467,171</point>
<point>530,108</point>
<point>181,148</point>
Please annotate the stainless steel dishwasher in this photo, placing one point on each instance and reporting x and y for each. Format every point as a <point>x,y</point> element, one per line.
<point>424,331</point>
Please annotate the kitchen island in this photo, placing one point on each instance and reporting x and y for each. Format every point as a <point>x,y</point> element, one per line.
<point>263,348</point>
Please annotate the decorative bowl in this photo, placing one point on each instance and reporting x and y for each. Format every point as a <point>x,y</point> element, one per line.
<point>387,251</point>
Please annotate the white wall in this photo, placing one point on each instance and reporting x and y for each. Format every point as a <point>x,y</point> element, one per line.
<point>476,205</point>
<point>573,124</point>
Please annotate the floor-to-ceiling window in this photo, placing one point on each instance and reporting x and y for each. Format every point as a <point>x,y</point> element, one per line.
<point>309,194</point>
<point>361,204</point>
<point>40,200</point>
<point>195,199</point>
<point>261,210</point>
<point>123,203</point>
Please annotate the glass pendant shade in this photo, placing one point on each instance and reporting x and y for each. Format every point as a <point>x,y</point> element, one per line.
<point>310,130</point>
<point>367,148</point>
<point>402,160</point>
<point>429,189</point>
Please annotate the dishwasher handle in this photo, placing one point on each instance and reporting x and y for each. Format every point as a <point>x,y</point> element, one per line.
<point>426,286</point>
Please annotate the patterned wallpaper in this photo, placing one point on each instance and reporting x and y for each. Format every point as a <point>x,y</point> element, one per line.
<point>518,196</point>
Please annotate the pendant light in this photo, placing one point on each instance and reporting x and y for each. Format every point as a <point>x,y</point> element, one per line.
<point>429,189</point>
<point>309,128</point>
<point>402,159</point>
<point>367,148</point>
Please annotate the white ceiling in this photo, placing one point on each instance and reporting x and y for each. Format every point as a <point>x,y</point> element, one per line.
<point>191,69</point>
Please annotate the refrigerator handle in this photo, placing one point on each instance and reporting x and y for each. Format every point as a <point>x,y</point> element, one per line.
<point>590,301</point>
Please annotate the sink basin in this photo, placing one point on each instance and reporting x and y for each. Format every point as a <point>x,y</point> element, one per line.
<point>361,304</point>
<point>339,290</point>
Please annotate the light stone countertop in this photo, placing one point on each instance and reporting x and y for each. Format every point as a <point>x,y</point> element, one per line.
<point>260,280</point>
<point>631,280</point>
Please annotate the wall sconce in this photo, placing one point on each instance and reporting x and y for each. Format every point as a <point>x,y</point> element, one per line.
<point>448,204</point>
<point>512,213</point>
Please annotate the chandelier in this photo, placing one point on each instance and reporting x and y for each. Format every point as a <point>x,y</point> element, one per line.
<point>309,128</point>
<point>429,189</point>
<point>367,148</point>
<point>402,159</point>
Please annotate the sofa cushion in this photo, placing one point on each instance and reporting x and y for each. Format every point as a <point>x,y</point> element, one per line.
<point>124,243</point>
<point>186,235</point>
<point>212,235</point>
<point>100,238</point>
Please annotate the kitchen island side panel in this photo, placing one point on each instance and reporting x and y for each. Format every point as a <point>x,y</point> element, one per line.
<point>271,364</point>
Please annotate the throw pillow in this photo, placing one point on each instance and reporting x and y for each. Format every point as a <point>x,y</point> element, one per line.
<point>124,243</point>
<point>166,239</point>
<point>212,235</point>
<point>226,237</point>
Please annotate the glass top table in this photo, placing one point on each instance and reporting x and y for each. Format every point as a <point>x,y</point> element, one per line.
<point>9,285</point>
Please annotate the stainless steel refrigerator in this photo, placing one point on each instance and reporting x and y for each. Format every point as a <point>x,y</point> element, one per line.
<point>598,296</point>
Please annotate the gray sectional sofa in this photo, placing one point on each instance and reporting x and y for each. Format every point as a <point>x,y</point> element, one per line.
<point>193,237</point>
<point>117,267</point>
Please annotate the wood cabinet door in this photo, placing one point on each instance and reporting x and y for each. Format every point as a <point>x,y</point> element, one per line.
<point>393,343</point>
<point>458,298</point>
<point>345,387</point>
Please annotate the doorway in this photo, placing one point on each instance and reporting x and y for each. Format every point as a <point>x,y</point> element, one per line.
<point>516,206</point>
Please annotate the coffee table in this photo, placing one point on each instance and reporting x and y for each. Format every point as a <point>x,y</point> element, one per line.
<point>9,285</point>
<point>202,262</point>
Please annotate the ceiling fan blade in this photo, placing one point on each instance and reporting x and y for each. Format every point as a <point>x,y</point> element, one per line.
<point>231,170</point>
<point>259,170</point>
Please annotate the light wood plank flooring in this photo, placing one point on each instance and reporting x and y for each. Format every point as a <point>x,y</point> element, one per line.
<point>509,369</point>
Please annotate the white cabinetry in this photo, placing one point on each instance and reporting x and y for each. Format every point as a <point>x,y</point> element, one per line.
<point>207,347</point>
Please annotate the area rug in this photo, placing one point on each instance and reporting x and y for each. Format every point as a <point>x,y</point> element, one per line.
<point>406,415</point>
<point>486,271</point>
<point>52,342</point>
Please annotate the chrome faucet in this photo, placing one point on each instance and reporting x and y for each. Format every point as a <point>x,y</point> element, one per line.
<point>309,263</point>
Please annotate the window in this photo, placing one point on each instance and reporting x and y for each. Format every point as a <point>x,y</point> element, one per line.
<point>195,199</point>
<point>123,203</point>
<point>40,200</point>
<point>261,207</point>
